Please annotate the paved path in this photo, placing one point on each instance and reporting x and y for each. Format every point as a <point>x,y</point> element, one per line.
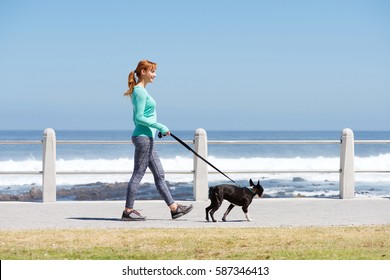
<point>295,212</point>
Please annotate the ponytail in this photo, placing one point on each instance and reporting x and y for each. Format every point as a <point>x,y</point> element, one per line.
<point>131,83</point>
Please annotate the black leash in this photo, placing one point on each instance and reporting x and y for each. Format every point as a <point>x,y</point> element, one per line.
<point>195,153</point>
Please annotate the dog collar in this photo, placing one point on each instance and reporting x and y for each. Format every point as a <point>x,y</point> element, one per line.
<point>251,189</point>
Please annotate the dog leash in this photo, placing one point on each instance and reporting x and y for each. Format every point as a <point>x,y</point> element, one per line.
<point>195,153</point>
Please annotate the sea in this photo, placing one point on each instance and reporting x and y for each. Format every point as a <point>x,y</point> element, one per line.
<point>175,157</point>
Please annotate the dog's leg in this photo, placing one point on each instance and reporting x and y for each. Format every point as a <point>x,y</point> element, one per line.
<point>213,207</point>
<point>207,212</point>
<point>214,203</point>
<point>216,206</point>
<point>245,209</point>
<point>212,215</point>
<point>231,206</point>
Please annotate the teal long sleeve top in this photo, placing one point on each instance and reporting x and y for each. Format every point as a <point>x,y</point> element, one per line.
<point>144,114</point>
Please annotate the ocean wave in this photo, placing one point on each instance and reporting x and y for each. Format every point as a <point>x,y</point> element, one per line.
<point>181,164</point>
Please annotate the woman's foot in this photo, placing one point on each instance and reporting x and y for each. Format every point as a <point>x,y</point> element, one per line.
<point>181,210</point>
<point>132,215</point>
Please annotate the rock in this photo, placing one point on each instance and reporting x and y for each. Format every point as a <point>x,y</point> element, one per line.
<point>298,179</point>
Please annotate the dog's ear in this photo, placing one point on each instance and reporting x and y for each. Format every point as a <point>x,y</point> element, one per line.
<point>251,183</point>
<point>258,183</point>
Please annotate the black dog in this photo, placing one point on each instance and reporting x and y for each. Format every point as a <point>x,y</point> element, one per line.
<point>235,195</point>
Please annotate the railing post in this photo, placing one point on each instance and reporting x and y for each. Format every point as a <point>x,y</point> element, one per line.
<point>200,167</point>
<point>49,166</point>
<point>347,166</point>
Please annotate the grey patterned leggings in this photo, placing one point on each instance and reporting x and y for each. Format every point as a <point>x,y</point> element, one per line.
<point>145,155</point>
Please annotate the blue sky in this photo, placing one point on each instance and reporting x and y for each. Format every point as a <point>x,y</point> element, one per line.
<point>222,65</point>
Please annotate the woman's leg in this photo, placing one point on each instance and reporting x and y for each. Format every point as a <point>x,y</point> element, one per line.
<point>159,176</point>
<point>146,156</point>
<point>143,148</point>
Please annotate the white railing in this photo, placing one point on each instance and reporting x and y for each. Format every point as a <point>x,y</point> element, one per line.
<point>200,170</point>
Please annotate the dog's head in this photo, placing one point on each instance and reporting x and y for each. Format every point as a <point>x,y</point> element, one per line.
<point>258,189</point>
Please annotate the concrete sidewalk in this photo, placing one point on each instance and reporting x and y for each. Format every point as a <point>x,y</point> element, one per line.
<point>295,212</point>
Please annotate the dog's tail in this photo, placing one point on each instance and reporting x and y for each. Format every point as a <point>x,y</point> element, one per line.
<point>211,191</point>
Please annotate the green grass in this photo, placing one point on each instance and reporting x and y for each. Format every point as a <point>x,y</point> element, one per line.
<point>317,243</point>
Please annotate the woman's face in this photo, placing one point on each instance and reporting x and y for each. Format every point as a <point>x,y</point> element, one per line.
<point>149,76</point>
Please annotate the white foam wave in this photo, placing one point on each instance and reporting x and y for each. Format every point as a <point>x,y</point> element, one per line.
<point>179,163</point>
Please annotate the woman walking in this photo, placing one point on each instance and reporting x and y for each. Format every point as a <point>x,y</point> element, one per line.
<point>145,155</point>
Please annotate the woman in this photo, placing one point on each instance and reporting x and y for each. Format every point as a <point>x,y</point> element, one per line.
<point>145,155</point>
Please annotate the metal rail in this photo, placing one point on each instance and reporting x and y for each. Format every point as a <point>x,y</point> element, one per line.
<point>21,142</point>
<point>273,142</point>
<point>210,142</point>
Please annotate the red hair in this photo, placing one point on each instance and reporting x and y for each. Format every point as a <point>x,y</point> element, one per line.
<point>142,65</point>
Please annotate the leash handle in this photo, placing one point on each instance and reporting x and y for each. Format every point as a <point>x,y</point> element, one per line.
<point>195,153</point>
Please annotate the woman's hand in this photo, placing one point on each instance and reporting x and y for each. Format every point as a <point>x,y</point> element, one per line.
<point>160,135</point>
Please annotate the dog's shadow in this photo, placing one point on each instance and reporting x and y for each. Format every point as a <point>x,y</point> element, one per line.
<point>226,222</point>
